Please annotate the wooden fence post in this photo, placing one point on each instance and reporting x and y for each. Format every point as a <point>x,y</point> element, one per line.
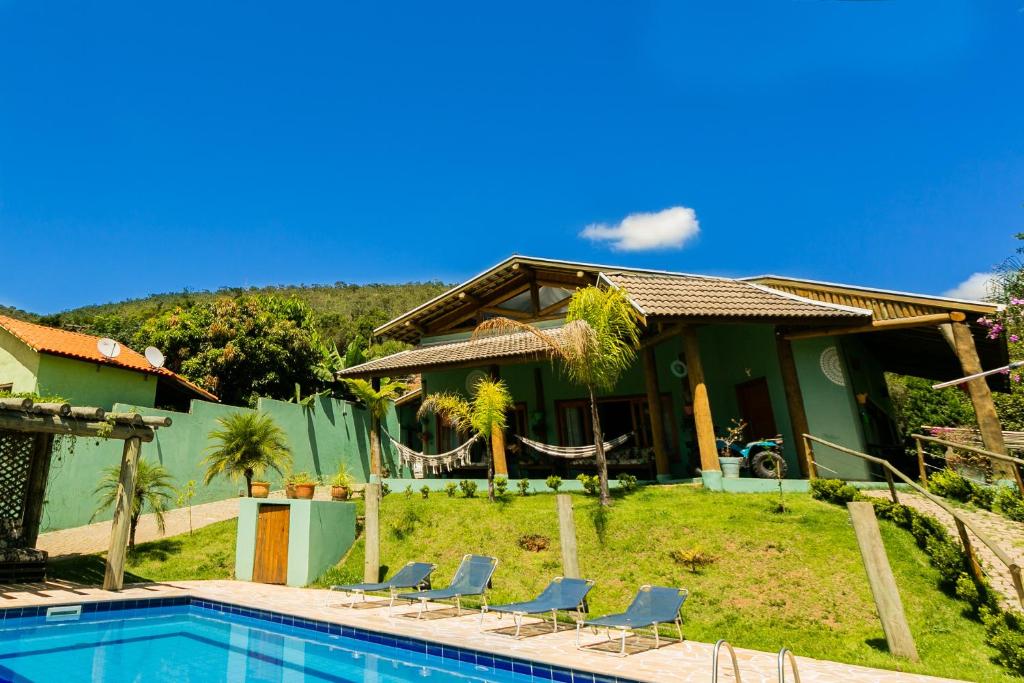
<point>922,472</point>
<point>882,581</point>
<point>567,536</point>
<point>812,469</point>
<point>113,575</point>
<point>972,558</point>
<point>892,486</point>
<point>371,533</point>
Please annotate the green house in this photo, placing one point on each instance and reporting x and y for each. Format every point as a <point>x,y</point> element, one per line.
<point>54,362</point>
<point>784,356</point>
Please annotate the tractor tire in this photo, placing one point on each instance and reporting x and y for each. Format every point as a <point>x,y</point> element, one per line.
<point>765,463</point>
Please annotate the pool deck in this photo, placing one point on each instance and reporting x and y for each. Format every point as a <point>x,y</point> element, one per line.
<point>688,662</point>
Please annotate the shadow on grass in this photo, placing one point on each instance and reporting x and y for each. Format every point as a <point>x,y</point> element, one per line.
<point>879,644</point>
<point>84,569</point>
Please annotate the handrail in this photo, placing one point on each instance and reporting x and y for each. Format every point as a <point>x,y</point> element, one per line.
<point>714,662</point>
<point>792,663</point>
<point>962,523</point>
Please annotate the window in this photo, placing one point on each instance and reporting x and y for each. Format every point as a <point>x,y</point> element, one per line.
<point>6,388</point>
<point>619,415</point>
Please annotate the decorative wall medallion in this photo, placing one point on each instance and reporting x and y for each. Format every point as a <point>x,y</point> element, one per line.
<point>472,378</point>
<point>678,368</point>
<point>832,366</point>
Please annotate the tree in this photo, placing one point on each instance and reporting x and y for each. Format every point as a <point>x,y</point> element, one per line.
<point>484,414</point>
<point>595,346</point>
<point>377,401</point>
<point>152,492</point>
<point>246,445</point>
<point>242,348</point>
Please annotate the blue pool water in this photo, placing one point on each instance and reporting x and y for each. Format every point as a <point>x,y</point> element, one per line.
<point>184,643</point>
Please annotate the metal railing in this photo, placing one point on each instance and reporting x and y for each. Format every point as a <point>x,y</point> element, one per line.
<point>732,655</point>
<point>962,524</point>
<point>921,439</point>
<point>785,653</point>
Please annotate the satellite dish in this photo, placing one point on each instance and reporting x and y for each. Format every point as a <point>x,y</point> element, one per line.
<point>154,356</point>
<point>108,348</point>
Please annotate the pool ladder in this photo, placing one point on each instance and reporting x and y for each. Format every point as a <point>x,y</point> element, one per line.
<point>784,654</point>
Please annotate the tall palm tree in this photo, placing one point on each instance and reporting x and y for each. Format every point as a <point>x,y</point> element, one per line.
<point>595,346</point>
<point>377,402</point>
<point>247,445</point>
<point>152,491</point>
<point>484,414</point>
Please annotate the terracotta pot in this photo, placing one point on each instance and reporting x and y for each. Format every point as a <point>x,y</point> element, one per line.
<point>339,493</point>
<point>289,490</point>
<point>260,489</point>
<point>305,491</point>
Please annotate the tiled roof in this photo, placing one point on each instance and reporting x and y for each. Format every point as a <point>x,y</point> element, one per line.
<point>695,296</point>
<point>517,345</point>
<point>82,346</point>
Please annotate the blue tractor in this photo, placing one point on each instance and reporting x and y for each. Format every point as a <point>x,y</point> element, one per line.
<point>762,457</point>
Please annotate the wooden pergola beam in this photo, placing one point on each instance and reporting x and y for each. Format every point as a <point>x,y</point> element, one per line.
<point>881,325</point>
<point>71,426</point>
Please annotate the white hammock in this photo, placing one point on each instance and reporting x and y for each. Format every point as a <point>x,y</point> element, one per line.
<point>573,452</point>
<point>423,463</point>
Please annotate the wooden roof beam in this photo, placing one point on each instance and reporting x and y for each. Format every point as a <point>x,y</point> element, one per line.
<point>881,325</point>
<point>70,426</point>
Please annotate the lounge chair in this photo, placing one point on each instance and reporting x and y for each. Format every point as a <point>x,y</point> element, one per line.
<point>471,578</point>
<point>561,594</point>
<point>652,605</point>
<point>414,575</point>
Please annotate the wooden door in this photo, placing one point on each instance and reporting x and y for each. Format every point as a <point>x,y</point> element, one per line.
<point>270,564</point>
<point>756,409</point>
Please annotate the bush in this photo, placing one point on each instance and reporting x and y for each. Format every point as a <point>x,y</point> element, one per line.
<point>534,543</point>
<point>500,486</point>
<point>1009,502</point>
<point>408,491</point>
<point>950,484</point>
<point>425,492</point>
<point>695,558</point>
<point>450,488</point>
<point>591,484</point>
<point>1005,632</point>
<point>524,487</point>
<point>628,483</point>
<point>384,489</point>
<point>833,491</point>
<point>553,482</point>
<point>468,488</point>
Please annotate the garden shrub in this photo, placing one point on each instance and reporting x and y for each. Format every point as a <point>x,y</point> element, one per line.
<point>468,488</point>
<point>591,484</point>
<point>833,491</point>
<point>524,487</point>
<point>1010,503</point>
<point>450,488</point>
<point>1004,500</point>
<point>950,484</point>
<point>500,486</point>
<point>425,492</point>
<point>1005,632</point>
<point>534,543</point>
<point>408,491</point>
<point>554,482</point>
<point>628,483</point>
<point>384,489</point>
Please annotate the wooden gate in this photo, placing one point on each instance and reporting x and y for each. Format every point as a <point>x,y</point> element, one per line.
<point>270,564</point>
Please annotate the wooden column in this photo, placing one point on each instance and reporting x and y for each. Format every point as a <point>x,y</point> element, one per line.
<point>113,577</point>
<point>498,440</point>
<point>794,404</point>
<point>541,405</point>
<point>981,396</point>
<point>654,408</point>
<point>882,581</point>
<point>371,533</point>
<point>567,536</point>
<point>702,419</point>
<point>35,493</point>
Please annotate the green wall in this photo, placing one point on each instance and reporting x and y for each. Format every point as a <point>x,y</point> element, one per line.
<point>91,384</point>
<point>320,437</point>
<point>18,363</point>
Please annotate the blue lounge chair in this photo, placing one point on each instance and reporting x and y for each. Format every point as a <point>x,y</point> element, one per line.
<point>561,594</point>
<point>414,575</point>
<point>471,578</point>
<point>652,605</point>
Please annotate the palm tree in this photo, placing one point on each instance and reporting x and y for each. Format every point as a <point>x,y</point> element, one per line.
<point>247,445</point>
<point>595,346</point>
<point>377,402</point>
<point>152,491</point>
<point>484,414</point>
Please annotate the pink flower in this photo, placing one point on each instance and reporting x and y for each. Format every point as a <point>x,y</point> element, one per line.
<point>1015,377</point>
<point>1014,338</point>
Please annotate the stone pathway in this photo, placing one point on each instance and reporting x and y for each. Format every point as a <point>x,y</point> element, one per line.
<point>687,662</point>
<point>1006,533</point>
<point>95,538</point>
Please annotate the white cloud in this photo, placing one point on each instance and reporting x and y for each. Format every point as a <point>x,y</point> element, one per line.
<point>668,229</point>
<point>978,287</point>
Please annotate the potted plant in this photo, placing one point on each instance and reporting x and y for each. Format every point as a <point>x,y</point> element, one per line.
<point>727,458</point>
<point>305,486</point>
<point>341,484</point>
<point>260,489</point>
<point>289,484</point>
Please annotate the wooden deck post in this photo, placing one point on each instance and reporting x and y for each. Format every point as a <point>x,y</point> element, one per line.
<point>35,493</point>
<point>654,409</point>
<point>703,422</point>
<point>981,396</point>
<point>882,581</point>
<point>498,440</point>
<point>113,577</point>
<point>794,404</point>
<point>567,536</point>
<point>371,533</point>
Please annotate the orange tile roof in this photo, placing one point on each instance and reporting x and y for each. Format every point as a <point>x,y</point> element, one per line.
<point>82,346</point>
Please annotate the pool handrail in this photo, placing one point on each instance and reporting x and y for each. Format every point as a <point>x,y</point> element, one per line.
<point>732,655</point>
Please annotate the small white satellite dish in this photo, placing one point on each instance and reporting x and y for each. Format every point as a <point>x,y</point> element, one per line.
<point>108,348</point>
<point>154,356</point>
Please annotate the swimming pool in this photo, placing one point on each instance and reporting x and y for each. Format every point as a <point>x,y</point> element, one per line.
<point>188,639</point>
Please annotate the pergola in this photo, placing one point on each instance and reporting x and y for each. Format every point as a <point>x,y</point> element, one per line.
<point>27,431</point>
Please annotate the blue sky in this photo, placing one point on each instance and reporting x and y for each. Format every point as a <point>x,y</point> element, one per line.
<point>149,147</point>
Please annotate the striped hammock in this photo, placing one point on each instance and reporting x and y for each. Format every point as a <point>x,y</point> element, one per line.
<point>573,452</point>
<point>423,463</point>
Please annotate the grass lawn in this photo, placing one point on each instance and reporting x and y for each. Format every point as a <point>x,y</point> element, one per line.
<point>209,553</point>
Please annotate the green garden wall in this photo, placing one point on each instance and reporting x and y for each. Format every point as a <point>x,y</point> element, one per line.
<point>320,438</point>
<point>91,384</point>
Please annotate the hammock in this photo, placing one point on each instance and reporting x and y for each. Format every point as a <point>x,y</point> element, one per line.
<point>421,463</point>
<point>573,452</point>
